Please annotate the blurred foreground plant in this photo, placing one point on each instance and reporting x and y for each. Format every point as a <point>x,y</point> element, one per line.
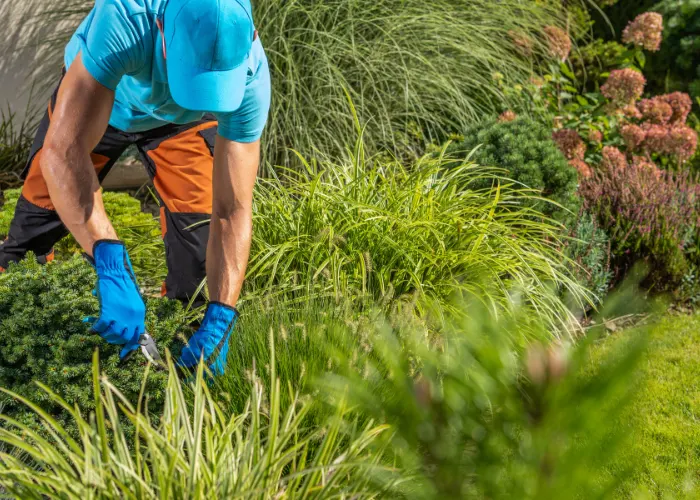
<point>476,415</point>
<point>196,450</point>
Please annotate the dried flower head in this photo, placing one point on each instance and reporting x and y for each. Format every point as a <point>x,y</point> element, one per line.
<point>570,143</point>
<point>682,142</point>
<point>656,110</point>
<point>681,104</point>
<point>645,31</point>
<point>630,111</point>
<point>624,86</point>
<point>633,136</point>
<point>595,136</point>
<point>507,116</point>
<point>613,159</point>
<point>523,43</point>
<point>558,42</point>
<point>655,138</point>
<point>583,168</point>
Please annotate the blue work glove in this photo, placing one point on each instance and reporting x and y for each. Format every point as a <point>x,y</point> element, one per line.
<point>210,342</point>
<point>122,310</point>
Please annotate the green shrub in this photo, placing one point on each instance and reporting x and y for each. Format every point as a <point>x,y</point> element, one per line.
<point>373,228</point>
<point>43,338</point>
<point>525,150</point>
<point>589,247</point>
<point>139,231</point>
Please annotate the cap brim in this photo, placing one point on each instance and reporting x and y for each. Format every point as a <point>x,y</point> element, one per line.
<point>209,91</point>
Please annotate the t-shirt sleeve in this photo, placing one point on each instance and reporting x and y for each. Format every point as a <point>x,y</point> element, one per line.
<point>112,45</point>
<point>247,123</point>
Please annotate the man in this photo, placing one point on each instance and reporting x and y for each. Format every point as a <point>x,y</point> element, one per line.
<point>187,83</point>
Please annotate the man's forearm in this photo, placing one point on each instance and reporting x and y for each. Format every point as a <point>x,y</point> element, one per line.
<point>75,192</point>
<point>227,255</point>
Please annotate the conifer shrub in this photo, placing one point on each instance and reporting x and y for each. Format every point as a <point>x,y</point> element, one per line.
<point>43,338</point>
<point>139,231</point>
<point>525,150</point>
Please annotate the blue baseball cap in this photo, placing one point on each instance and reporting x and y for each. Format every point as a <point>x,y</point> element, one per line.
<point>207,45</point>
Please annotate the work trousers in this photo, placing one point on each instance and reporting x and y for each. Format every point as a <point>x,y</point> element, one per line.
<point>179,161</point>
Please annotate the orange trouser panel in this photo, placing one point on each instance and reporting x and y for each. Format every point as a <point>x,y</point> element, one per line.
<point>184,171</point>
<point>35,189</point>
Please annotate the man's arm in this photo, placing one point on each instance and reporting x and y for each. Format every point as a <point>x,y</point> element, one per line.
<point>79,121</point>
<point>235,170</point>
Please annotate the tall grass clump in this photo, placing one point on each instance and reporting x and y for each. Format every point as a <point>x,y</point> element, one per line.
<point>15,140</point>
<point>372,227</point>
<point>196,450</point>
<point>408,65</point>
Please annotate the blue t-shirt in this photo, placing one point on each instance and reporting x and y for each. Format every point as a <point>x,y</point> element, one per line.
<point>121,48</point>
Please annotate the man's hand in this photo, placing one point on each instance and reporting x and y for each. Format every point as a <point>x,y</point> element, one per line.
<point>235,170</point>
<point>122,311</point>
<point>80,118</point>
<point>210,342</point>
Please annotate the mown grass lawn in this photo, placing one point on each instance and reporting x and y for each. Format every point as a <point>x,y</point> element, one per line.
<point>664,421</point>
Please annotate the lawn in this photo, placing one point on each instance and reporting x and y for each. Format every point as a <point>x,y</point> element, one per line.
<point>663,421</point>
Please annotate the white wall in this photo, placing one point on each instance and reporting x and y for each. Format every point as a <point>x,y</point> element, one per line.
<point>31,47</point>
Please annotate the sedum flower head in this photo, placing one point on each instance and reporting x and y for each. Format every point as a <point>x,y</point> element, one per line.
<point>633,136</point>
<point>558,42</point>
<point>624,86</point>
<point>645,31</point>
<point>570,143</point>
<point>656,110</point>
<point>681,104</point>
<point>613,159</point>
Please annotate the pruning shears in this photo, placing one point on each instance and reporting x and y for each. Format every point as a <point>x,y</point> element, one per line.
<point>149,349</point>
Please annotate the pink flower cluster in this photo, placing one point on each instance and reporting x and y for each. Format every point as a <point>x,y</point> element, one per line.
<point>664,131</point>
<point>645,31</point>
<point>624,86</point>
<point>642,205</point>
<point>595,136</point>
<point>656,110</point>
<point>613,159</point>
<point>681,104</point>
<point>678,141</point>
<point>558,42</point>
<point>669,108</point>
<point>570,143</point>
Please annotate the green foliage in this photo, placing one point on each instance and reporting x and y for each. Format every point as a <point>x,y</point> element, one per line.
<point>402,62</point>
<point>15,140</point>
<point>676,66</point>
<point>370,227</point>
<point>139,231</point>
<point>475,417</point>
<point>661,422</point>
<point>593,62</point>
<point>196,450</point>
<point>525,150</point>
<point>43,338</point>
<point>589,247</point>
